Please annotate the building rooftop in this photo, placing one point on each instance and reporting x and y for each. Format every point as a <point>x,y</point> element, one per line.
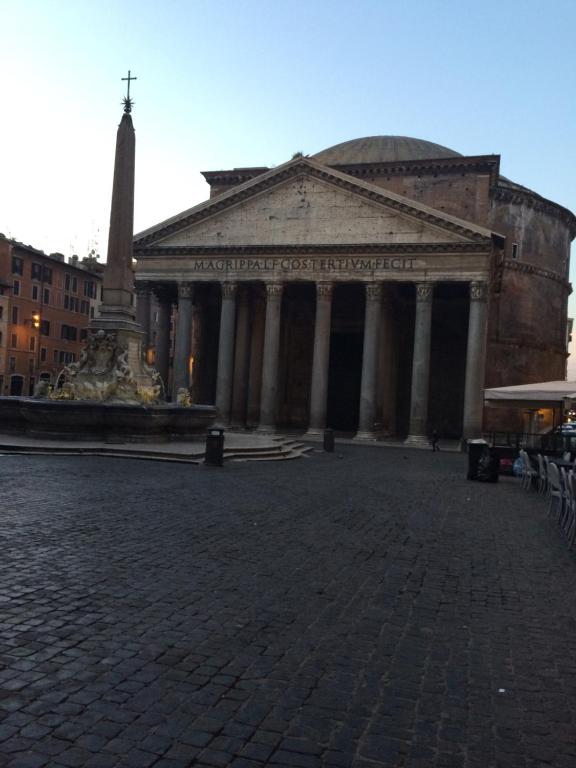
<point>382,149</point>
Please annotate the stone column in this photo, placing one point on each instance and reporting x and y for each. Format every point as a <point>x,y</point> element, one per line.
<point>320,358</point>
<point>256,349</point>
<point>269,393</point>
<point>162,357</point>
<point>417,434</point>
<point>143,309</point>
<point>388,364</point>
<point>475,361</point>
<point>241,360</point>
<point>197,349</point>
<point>183,340</point>
<point>370,362</point>
<point>226,352</point>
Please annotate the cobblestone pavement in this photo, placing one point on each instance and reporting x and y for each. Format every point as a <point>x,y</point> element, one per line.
<point>368,610</point>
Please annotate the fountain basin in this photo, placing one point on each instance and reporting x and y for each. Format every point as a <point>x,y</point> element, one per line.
<point>85,419</point>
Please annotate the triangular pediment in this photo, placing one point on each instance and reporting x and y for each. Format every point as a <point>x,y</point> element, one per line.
<point>304,203</point>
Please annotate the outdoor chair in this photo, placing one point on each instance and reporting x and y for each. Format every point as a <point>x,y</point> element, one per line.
<point>566,505</point>
<point>542,474</point>
<point>528,471</point>
<point>569,521</point>
<point>555,504</point>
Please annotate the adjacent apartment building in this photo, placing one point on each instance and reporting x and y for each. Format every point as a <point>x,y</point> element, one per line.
<point>46,304</point>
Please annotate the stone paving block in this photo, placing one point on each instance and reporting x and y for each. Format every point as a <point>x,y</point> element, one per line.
<point>373,610</point>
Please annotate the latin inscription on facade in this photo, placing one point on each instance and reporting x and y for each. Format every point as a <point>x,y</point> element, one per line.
<point>307,264</point>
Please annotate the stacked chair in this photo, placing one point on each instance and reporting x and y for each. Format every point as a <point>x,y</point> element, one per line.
<point>561,489</point>
<point>558,484</point>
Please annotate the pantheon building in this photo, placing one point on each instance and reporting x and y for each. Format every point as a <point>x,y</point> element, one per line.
<point>376,287</point>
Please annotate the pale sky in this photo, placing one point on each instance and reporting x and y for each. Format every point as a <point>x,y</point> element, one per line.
<point>228,83</point>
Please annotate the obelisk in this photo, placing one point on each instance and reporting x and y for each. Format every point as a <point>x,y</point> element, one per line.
<point>118,307</point>
<point>115,334</point>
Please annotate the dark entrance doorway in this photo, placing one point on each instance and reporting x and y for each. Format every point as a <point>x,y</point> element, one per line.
<point>344,381</point>
<point>345,372</point>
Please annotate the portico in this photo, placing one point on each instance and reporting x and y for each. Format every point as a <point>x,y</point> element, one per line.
<point>305,299</point>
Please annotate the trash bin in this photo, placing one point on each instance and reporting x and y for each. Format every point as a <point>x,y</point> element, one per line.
<point>489,466</point>
<point>214,455</point>
<point>329,440</point>
<point>475,450</point>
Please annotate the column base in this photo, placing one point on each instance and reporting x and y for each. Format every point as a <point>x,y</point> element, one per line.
<point>265,429</point>
<point>365,435</point>
<point>314,432</point>
<point>417,441</point>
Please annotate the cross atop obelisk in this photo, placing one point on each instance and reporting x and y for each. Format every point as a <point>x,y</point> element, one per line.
<point>127,101</point>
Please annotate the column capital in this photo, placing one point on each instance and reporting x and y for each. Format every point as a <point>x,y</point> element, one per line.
<point>229,290</point>
<point>274,291</point>
<point>324,289</point>
<point>142,287</point>
<point>373,291</point>
<point>185,290</point>
<point>424,291</point>
<point>478,290</point>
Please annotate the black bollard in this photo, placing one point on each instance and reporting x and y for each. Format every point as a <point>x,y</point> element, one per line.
<point>214,447</point>
<point>329,440</point>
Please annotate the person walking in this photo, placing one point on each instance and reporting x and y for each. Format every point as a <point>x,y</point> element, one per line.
<point>434,440</point>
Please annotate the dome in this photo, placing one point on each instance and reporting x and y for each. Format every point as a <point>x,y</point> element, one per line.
<point>382,149</point>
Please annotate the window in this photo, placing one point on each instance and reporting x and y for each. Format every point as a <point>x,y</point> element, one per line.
<point>30,365</point>
<point>45,327</point>
<point>46,296</point>
<point>15,315</point>
<point>36,271</point>
<point>92,312</point>
<point>16,385</point>
<point>43,352</point>
<point>17,266</point>
<point>84,307</point>
<point>514,250</point>
<point>74,305</point>
<point>35,292</point>
<point>55,355</point>
<point>47,275</point>
<point>74,285</point>
<point>67,282</point>
<point>0,346</point>
<point>16,288</point>
<point>90,289</point>
<point>83,334</point>
<point>32,343</point>
<point>66,301</point>
<point>69,332</point>
<point>14,340</point>
<point>11,364</point>
<point>1,312</point>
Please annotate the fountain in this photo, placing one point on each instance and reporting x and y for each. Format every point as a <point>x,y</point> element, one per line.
<point>111,393</point>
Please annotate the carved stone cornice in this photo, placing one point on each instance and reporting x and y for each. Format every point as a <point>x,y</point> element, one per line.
<point>424,291</point>
<point>274,291</point>
<point>531,269</point>
<point>229,290</point>
<point>324,290</point>
<point>518,196</point>
<point>525,341</point>
<point>473,164</point>
<point>478,291</point>
<point>297,170</point>
<point>182,251</point>
<point>374,292</point>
